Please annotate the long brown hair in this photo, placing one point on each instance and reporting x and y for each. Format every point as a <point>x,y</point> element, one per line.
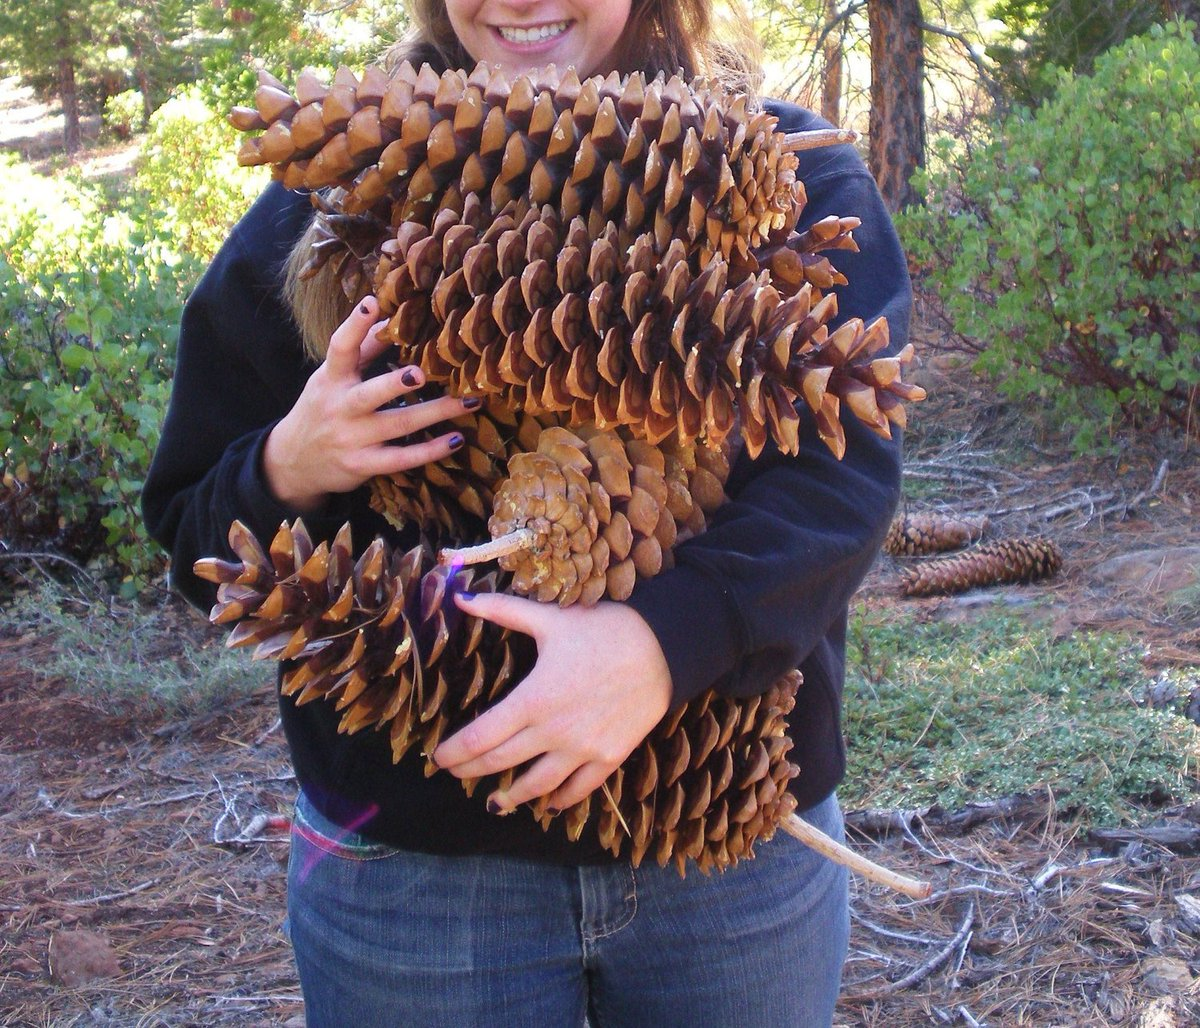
<point>661,35</point>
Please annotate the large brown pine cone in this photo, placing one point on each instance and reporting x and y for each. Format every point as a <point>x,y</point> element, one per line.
<point>381,638</point>
<point>618,250</point>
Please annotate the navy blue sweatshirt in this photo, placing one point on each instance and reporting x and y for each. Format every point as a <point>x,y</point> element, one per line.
<point>765,589</point>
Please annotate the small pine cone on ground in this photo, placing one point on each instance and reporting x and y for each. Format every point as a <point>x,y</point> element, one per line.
<point>996,563</point>
<point>597,511</point>
<point>914,535</point>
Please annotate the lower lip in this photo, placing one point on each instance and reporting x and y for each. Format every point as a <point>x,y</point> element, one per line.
<point>537,46</point>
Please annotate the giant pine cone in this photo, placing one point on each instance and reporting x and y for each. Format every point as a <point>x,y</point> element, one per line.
<point>381,639</point>
<point>615,250</point>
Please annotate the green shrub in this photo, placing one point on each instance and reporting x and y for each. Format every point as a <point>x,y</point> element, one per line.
<point>1068,249</point>
<point>90,299</point>
<point>125,113</point>
<point>188,177</point>
<point>88,308</point>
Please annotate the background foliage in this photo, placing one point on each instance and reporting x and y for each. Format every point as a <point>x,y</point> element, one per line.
<point>1067,250</point>
<point>90,298</point>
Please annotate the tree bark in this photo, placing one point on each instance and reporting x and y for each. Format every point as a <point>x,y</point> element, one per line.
<point>67,94</point>
<point>70,104</point>
<point>831,79</point>
<point>897,130</point>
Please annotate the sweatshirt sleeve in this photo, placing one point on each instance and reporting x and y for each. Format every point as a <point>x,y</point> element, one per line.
<point>753,596</point>
<point>239,368</point>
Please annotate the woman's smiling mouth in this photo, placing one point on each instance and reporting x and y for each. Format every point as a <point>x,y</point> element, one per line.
<point>532,34</point>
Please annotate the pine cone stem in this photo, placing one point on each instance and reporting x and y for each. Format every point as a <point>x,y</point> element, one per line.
<point>813,139</point>
<point>817,840</point>
<point>514,542</point>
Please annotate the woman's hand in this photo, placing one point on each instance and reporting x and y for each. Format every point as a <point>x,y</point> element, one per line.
<point>336,436</point>
<point>600,684</point>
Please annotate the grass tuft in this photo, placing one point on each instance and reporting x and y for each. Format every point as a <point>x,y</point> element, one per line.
<point>947,714</point>
<point>158,655</point>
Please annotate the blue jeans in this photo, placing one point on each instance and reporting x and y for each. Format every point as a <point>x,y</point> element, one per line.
<point>392,937</point>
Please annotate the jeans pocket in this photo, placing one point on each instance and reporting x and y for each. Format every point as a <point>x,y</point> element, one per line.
<point>314,828</point>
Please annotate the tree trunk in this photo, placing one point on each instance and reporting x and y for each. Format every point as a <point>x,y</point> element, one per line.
<point>897,140</point>
<point>831,78</point>
<point>67,94</point>
<point>70,104</point>
<point>832,72</point>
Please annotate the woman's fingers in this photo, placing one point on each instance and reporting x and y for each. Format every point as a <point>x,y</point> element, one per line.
<point>515,750</point>
<point>516,612</point>
<point>490,730</point>
<point>377,392</point>
<point>345,345</point>
<point>543,778</point>
<point>388,460</point>
<point>583,782</point>
<point>372,346</point>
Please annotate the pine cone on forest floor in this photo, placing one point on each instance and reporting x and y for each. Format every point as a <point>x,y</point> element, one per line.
<point>911,535</point>
<point>381,638</point>
<point>997,563</point>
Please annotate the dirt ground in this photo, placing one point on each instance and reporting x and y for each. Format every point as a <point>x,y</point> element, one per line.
<point>142,859</point>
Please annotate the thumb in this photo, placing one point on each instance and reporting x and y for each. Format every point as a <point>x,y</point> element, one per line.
<point>516,612</point>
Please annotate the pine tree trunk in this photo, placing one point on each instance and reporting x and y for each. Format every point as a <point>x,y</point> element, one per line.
<point>70,104</point>
<point>67,93</point>
<point>897,134</point>
<point>831,79</point>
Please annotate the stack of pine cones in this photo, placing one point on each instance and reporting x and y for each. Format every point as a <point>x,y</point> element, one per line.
<point>613,266</point>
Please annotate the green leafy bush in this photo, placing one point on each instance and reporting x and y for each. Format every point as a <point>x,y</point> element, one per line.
<point>90,299</point>
<point>1068,247</point>
<point>88,305</point>
<point>125,113</point>
<point>188,180</point>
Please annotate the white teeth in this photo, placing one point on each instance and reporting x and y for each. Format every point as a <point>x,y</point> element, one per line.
<point>533,35</point>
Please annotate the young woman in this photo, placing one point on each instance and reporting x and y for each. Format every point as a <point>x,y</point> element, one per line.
<point>408,902</point>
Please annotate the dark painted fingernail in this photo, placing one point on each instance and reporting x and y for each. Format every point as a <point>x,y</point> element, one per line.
<point>466,595</point>
<point>364,309</point>
<point>472,403</point>
<point>456,441</point>
<point>409,378</point>
<point>493,807</point>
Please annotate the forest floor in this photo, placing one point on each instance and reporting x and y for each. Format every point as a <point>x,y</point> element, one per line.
<point>142,855</point>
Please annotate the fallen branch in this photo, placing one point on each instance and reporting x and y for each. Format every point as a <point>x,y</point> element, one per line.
<point>108,897</point>
<point>924,970</point>
<point>1181,839</point>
